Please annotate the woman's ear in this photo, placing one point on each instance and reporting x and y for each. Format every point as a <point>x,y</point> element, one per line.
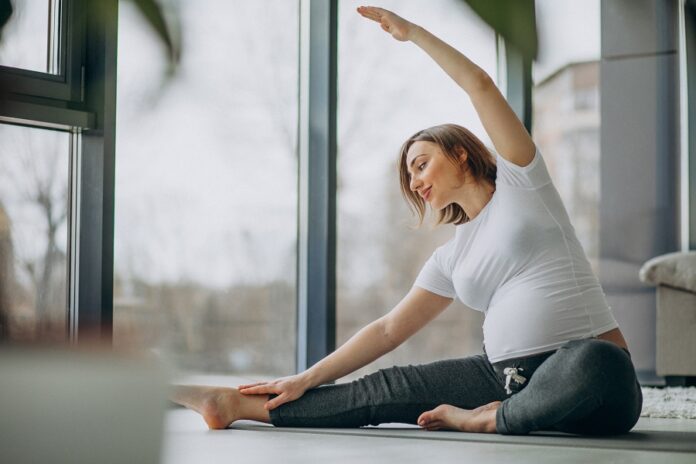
<point>462,154</point>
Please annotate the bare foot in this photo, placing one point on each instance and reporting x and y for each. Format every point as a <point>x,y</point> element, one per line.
<point>220,406</point>
<point>445,416</point>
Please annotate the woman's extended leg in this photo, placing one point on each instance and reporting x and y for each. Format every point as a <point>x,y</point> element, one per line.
<point>220,406</point>
<point>587,386</point>
<point>397,394</point>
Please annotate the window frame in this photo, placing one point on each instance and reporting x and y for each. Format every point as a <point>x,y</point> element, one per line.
<point>687,84</point>
<point>316,279</point>
<point>316,261</point>
<point>81,99</point>
<point>50,100</point>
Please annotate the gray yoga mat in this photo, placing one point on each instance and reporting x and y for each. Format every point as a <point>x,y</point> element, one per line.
<point>644,440</point>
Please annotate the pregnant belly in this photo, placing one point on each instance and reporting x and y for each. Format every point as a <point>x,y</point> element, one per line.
<point>614,336</point>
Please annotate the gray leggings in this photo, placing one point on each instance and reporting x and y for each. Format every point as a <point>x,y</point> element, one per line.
<point>585,387</point>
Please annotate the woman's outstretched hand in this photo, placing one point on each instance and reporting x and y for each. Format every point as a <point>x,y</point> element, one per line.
<point>287,388</point>
<point>394,24</point>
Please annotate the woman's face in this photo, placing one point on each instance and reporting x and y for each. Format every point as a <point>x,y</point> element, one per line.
<point>432,175</point>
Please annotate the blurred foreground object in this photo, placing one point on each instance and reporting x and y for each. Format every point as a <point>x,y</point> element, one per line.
<point>168,32</point>
<point>63,406</point>
<point>514,20</point>
<point>6,10</point>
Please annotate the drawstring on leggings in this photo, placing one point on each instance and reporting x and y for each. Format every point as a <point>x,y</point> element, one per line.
<point>512,374</point>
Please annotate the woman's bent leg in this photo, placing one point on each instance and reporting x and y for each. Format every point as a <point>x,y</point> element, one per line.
<point>587,386</point>
<point>397,394</point>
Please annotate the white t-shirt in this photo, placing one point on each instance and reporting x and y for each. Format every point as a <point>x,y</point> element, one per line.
<point>520,262</point>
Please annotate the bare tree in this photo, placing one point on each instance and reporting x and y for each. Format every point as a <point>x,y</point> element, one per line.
<point>32,171</point>
<point>6,272</point>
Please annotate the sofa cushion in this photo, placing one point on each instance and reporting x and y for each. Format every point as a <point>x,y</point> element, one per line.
<point>676,270</point>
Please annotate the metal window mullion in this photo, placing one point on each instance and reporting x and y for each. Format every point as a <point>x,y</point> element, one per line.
<point>54,37</point>
<point>518,79</point>
<point>501,62</point>
<point>73,240</point>
<point>316,279</point>
<point>687,108</point>
<point>96,235</point>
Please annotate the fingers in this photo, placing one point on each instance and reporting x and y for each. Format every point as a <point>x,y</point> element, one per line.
<point>370,12</point>
<point>248,385</point>
<point>275,402</point>
<point>260,390</point>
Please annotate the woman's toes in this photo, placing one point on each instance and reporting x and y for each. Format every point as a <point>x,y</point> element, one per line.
<point>429,417</point>
<point>481,419</point>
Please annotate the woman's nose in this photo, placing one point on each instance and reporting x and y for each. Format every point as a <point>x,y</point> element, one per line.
<point>414,184</point>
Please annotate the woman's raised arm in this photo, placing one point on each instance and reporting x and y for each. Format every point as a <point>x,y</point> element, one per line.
<point>506,131</point>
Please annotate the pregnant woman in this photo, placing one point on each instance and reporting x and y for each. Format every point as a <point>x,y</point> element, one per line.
<point>554,357</point>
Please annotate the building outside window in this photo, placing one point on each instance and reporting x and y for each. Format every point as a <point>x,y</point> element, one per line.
<point>566,112</point>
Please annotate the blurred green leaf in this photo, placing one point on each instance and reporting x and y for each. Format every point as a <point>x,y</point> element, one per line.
<point>152,11</point>
<point>514,20</point>
<point>5,13</point>
<point>690,6</point>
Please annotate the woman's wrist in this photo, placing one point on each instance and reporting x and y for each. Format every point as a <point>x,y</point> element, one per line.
<point>415,32</point>
<point>309,379</point>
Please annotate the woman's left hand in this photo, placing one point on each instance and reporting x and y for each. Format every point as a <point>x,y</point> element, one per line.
<point>394,24</point>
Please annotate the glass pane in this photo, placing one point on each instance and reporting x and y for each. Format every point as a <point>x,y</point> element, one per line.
<point>389,90</point>
<point>25,38</point>
<point>206,189</point>
<point>566,110</point>
<point>34,183</point>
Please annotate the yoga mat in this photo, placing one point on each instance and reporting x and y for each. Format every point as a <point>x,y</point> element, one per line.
<point>644,440</point>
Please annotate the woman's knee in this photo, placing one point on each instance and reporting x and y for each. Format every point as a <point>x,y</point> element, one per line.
<point>599,354</point>
<point>604,365</point>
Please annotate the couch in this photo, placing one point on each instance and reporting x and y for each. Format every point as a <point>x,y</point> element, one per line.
<point>674,274</point>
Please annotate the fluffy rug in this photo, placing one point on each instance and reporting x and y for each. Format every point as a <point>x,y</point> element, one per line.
<point>669,402</point>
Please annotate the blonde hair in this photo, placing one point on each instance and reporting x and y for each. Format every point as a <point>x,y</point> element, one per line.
<point>452,139</point>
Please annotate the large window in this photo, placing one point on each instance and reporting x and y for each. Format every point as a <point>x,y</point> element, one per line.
<point>206,188</point>
<point>34,181</point>
<point>566,112</point>
<point>38,59</point>
<point>387,91</point>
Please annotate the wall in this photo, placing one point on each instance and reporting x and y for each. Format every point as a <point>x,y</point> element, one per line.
<point>639,146</point>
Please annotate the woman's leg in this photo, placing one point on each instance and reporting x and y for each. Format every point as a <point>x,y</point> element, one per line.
<point>587,386</point>
<point>397,394</point>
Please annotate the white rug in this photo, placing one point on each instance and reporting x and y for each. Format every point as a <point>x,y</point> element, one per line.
<point>669,402</point>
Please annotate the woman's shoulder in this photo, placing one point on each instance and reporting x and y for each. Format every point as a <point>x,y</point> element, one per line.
<point>532,176</point>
